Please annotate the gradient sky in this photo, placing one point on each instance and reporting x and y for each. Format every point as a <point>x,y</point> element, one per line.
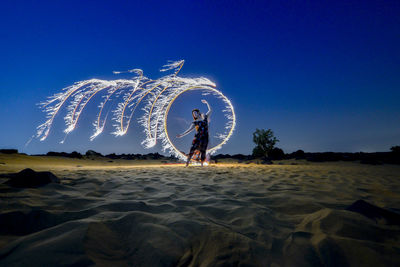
<point>323,75</point>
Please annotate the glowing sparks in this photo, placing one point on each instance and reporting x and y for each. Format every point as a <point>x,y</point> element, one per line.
<point>156,96</point>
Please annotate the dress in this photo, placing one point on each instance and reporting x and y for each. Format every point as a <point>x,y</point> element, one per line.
<point>200,140</point>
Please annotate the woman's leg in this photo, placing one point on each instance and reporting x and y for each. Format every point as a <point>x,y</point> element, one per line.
<point>203,156</point>
<point>203,149</point>
<point>192,149</point>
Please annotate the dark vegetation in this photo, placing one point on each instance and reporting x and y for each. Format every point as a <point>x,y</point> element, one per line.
<point>8,151</point>
<point>91,154</point>
<point>265,151</point>
<point>266,157</point>
<point>376,158</point>
<point>265,143</point>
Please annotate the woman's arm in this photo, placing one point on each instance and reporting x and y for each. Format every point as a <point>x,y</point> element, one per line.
<point>208,105</point>
<point>186,132</point>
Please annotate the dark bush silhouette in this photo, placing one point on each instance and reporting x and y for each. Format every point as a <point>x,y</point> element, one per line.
<point>74,154</point>
<point>92,153</point>
<point>276,154</point>
<point>299,154</point>
<point>9,151</point>
<point>395,150</point>
<point>323,157</point>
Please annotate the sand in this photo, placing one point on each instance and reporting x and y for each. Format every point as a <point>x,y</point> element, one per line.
<point>146,213</point>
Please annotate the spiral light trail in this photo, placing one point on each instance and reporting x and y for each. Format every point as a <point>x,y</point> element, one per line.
<point>156,97</point>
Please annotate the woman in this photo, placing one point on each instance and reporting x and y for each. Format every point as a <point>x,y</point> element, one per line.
<point>200,140</point>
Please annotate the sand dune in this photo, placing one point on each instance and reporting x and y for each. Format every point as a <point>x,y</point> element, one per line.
<point>129,214</point>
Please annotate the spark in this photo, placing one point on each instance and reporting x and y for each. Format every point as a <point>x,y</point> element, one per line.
<point>156,96</point>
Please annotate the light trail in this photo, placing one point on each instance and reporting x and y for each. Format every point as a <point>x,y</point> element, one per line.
<point>156,96</point>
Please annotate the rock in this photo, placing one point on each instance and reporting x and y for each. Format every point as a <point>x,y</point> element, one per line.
<point>374,212</point>
<point>30,178</point>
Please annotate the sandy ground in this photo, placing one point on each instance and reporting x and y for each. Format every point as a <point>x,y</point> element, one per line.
<point>146,213</point>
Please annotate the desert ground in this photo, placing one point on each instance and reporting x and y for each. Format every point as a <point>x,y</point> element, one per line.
<point>152,213</point>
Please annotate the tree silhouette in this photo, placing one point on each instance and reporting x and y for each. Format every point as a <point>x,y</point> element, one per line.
<point>265,142</point>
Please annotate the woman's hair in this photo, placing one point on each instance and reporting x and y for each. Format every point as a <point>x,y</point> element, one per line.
<point>195,110</point>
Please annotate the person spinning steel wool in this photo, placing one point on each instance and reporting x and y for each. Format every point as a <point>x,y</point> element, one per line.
<point>200,140</point>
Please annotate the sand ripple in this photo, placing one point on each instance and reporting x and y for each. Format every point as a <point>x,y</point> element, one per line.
<point>217,216</point>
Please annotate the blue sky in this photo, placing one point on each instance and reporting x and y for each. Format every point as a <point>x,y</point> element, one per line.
<point>324,76</point>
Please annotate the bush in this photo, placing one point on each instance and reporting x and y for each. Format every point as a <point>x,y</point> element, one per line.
<point>299,154</point>
<point>277,154</point>
<point>395,149</point>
